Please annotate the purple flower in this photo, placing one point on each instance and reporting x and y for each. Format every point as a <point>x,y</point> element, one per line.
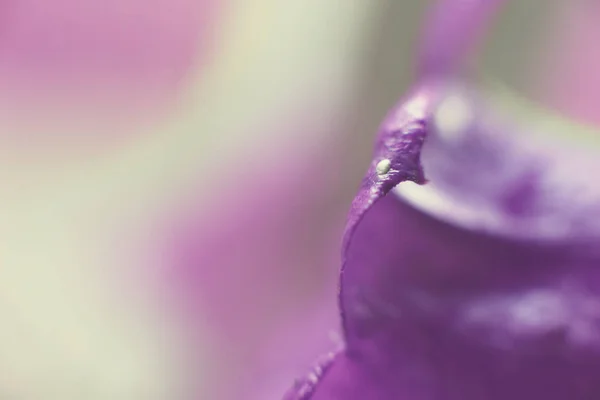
<point>469,260</point>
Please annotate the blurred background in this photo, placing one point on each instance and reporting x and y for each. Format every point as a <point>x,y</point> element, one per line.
<point>175,176</point>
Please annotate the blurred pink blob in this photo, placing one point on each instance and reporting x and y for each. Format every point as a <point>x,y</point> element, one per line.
<point>109,59</point>
<point>130,40</point>
<point>257,264</point>
<point>572,83</point>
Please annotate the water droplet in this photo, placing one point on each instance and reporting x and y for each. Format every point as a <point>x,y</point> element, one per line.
<point>383,167</point>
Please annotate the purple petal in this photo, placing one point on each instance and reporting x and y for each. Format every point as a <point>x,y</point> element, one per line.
<point>452,30</point>
<point>482,282</point>
<point>487,290</point>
